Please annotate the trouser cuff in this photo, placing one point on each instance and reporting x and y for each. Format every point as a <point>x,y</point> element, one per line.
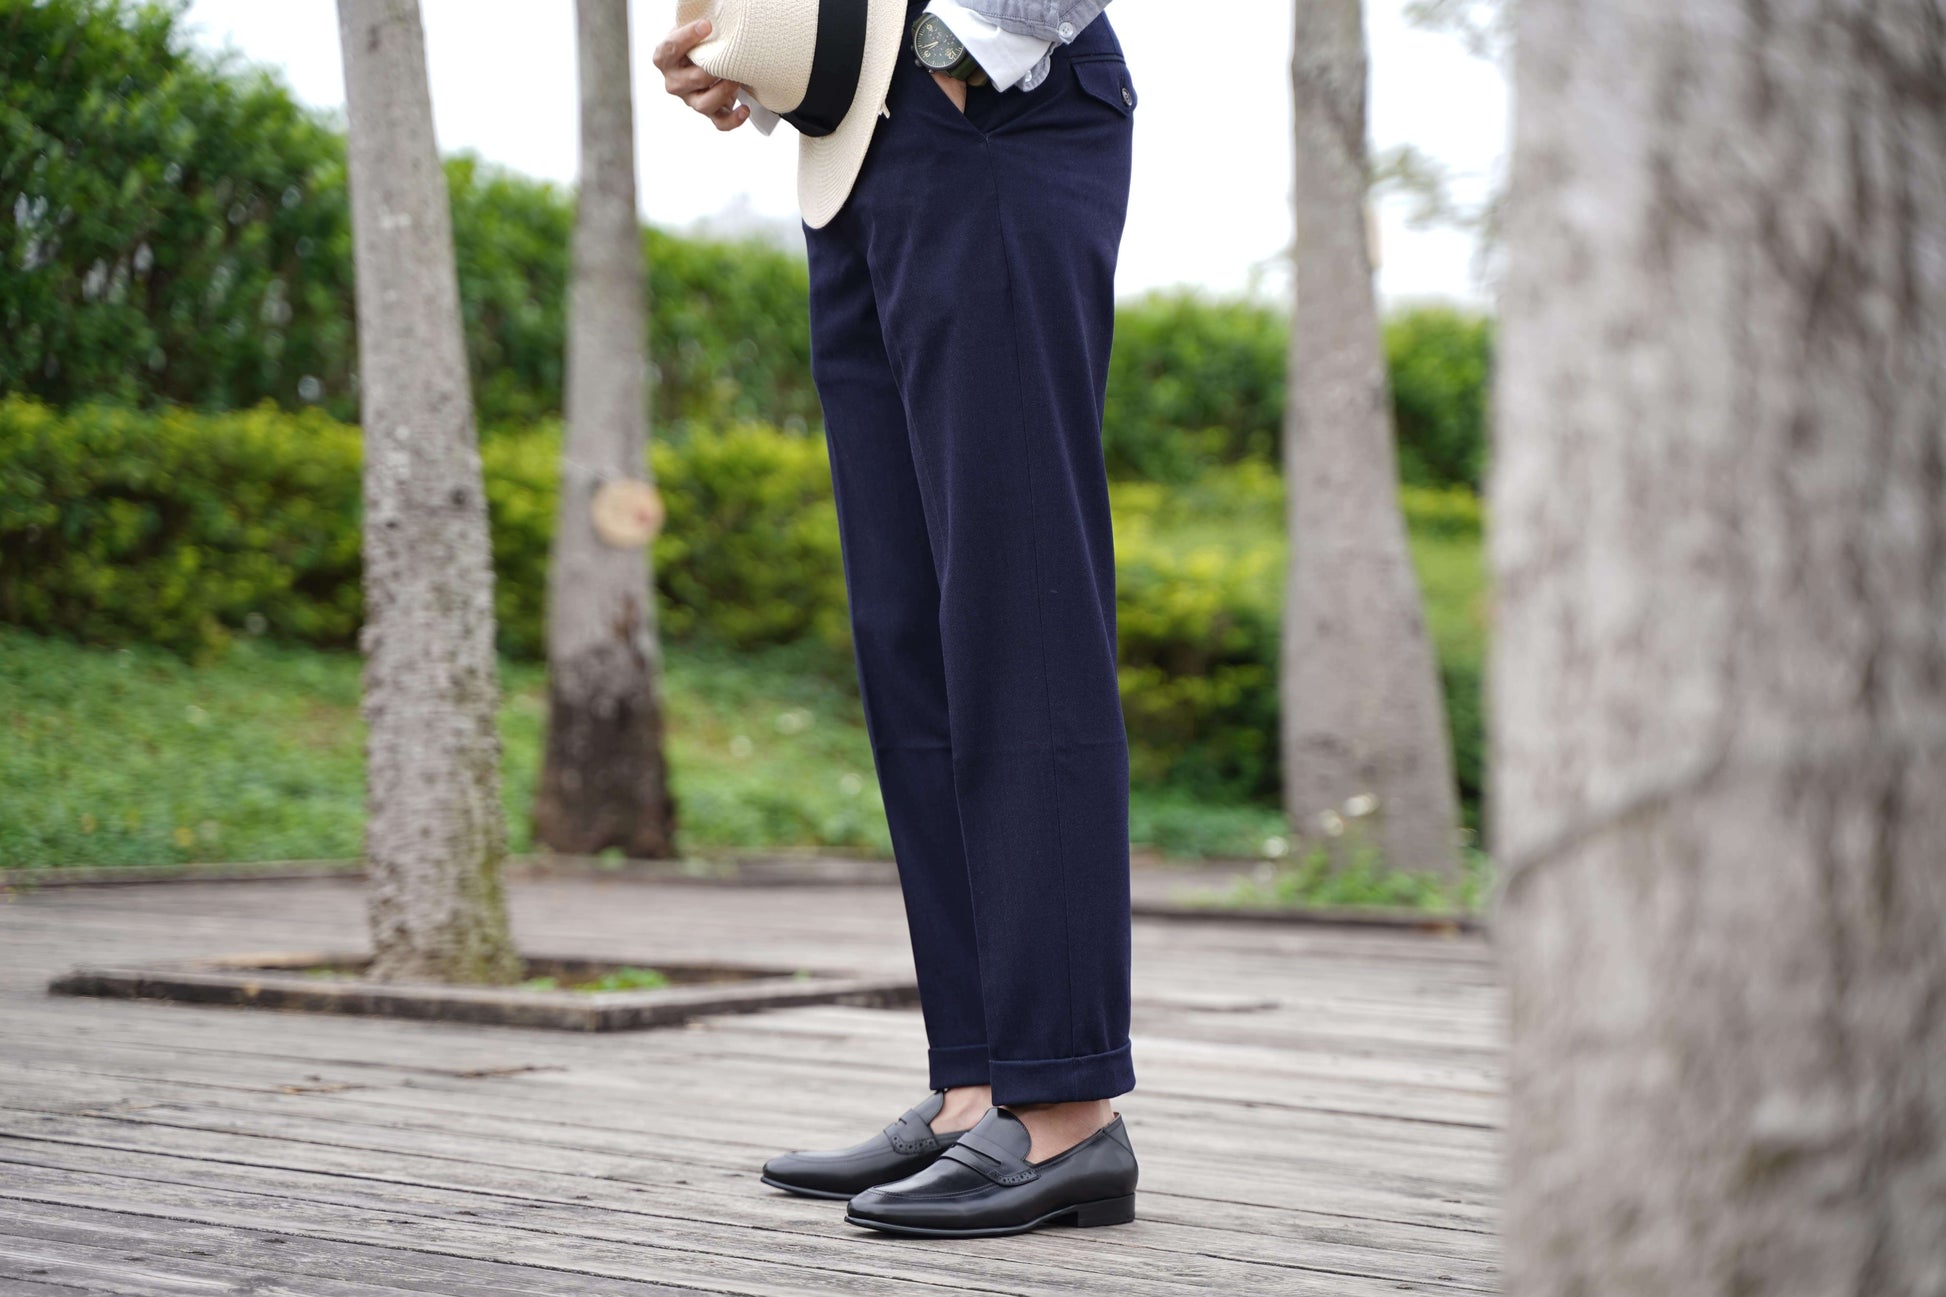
<point>957,1065</point>
<point>1063,1080</point>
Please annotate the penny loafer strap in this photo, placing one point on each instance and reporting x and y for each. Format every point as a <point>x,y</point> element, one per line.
<point>990,1160</point>
<point>911,1133</point>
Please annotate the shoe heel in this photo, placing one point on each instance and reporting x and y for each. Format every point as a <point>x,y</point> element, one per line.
<point>1108,1211</point>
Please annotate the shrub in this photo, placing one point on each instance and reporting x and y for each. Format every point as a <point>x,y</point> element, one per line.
<point>1193,382</point>
<point>178,231</point>
<point>748,554</point>
<point>1200,574</point>
<point>180,529</point>
<point>176,224</point>
<point>1198,593</point>
<point>1440,359</point>
<point>1198,382</point>
<point>181,234</point>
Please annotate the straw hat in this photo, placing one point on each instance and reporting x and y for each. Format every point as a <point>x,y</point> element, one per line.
<point>822,65</point>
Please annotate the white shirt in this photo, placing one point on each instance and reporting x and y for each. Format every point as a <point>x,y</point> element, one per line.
<point>1008,58</point>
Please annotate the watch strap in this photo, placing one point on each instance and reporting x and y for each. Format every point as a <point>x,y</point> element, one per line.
<point>967,69</point>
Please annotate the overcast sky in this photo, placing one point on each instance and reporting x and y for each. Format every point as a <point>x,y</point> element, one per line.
<point>1211,199</point>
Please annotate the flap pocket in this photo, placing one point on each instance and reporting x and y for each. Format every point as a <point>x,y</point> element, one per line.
<point>1107,79</point>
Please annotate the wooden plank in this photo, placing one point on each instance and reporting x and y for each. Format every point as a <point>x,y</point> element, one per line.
<point>687,1254</point>
<point>1377,1083</point>
<point>1450,1192</point>
<point>625,1125</point>
<point>1366,1109</point>
<point>1319,1110</point>
<point>93,1247</point>
<point>1197,1227</point>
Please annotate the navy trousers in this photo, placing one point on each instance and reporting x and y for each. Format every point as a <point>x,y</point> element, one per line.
<point>962,305</point>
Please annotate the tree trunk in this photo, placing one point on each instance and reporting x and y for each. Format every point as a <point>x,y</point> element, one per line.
<point>1719,667</point>
<point>1362,711</point>
<point>605,782</point>
<point>435,833</point>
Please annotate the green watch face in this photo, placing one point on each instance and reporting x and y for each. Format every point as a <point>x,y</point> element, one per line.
<point>933,41</point>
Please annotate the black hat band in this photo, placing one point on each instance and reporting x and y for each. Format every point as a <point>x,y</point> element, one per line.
<point>835,65</point>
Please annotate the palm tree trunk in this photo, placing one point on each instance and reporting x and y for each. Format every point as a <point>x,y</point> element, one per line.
<point>1362,710</point>
<point>435,833</point>
<point>1719,665</point>
<point>605,781</point>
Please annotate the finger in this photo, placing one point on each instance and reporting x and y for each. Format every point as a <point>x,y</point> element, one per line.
<point>687,80</point>
<point>714,100</point>
<point>734,118</point>
<point>675,47</point>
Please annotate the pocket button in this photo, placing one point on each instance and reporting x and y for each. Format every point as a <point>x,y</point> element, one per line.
<point>1128,98</point>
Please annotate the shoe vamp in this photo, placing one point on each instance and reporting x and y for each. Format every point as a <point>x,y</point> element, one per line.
<point>944,1178</point>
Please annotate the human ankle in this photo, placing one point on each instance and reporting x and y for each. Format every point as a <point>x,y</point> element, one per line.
<point>1058,1127</point>
<point>964,1106</point>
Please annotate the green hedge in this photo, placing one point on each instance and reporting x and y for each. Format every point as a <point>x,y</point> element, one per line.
<point>177,529</point>
<point>180,529</point>
<point>748,554</point>
<point>1198,382</point>
<point>1200,570</point>
<point>119,526</point>
<point>178,231</point>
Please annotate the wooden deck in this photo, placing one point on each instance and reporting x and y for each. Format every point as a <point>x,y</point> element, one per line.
<point>1319,1113</point>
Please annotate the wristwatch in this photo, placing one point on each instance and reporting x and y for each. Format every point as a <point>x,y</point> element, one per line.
<point>938,50</point>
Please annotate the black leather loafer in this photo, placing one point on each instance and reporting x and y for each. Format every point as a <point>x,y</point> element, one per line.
<point>905,1146</point>
<point>984,1185</point>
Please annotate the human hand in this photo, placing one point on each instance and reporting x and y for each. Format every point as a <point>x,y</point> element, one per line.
<point>713,97</point>
<point>954,87</point>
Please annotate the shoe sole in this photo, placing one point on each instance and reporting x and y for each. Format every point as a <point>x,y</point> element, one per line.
<point>1104,1211</point>
<point>801,1191</point>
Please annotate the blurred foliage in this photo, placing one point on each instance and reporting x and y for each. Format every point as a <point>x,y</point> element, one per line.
<point>181,233</point>
<point>119,526</point>
<point>1200,570</point>
<point>168,527</point>
<point>765,751</point>
<point>730,333</point>
<point>183,530</point>
<point>1440,360</point>
<point>748,553</point>
<point>1193,382</point>
<point>180,238</point>
<point>178,223</point>
<point>510,240</point>
<point>1197,382</point>
<point>630,978</point>
<point>1358,877</point>
<point>137,756</point>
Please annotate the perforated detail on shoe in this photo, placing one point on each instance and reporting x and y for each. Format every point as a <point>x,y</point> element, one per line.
<point>911,1134</point>
<point>990,1160</point>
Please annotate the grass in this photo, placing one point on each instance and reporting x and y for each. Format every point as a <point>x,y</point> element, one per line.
<point>620,979</point>
<point>134,756</point>
<point>1356,879</point>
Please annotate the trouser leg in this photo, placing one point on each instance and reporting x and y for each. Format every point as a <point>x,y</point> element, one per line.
<point>894,598</point>
<point>991,241</point>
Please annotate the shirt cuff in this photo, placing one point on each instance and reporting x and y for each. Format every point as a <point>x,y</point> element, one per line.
<point>760,117</point>
<point>1008,58</point>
